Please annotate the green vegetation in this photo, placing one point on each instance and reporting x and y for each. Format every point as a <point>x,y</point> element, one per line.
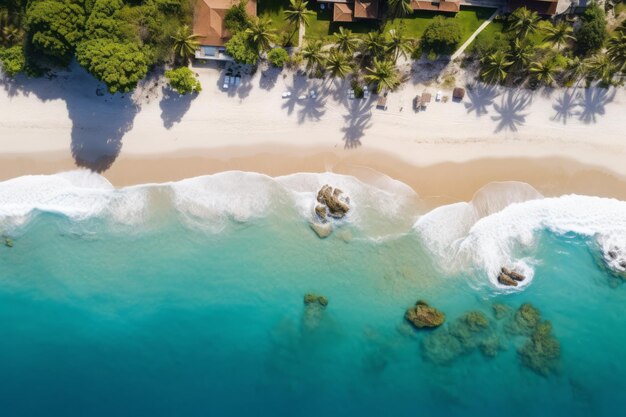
<point>241,48</point>
<point>278,57</point>
<point>591,34</point>
<point>442,36</point>
<point>116,40</point>
<point>183,80</point>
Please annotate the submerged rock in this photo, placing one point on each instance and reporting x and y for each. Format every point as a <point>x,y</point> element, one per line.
<point>323,230</point>
<point>336,205</point>
<point>501,311</point>
<point>476,320</point>
<point>542,351</point>
<point>315,299</point>
<point>423,315</point>
<point>321,212</point>
<point>8,242</point>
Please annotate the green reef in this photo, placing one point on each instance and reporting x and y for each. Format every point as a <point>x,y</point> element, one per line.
<point>474,332</point>
<point>422,315</point>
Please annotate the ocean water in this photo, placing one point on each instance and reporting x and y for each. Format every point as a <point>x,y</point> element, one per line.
<point>186,299</point>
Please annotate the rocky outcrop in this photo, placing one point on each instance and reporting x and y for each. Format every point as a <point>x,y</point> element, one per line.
<point>510,278</point>
<point>8,242</point>
<point>310,299</point>
<point>332,203</point>
<point>422,315</point>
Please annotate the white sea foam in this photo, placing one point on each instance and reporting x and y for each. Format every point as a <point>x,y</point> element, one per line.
<point>77,194</point>
<point>460,238</point>
<point>209,201</point>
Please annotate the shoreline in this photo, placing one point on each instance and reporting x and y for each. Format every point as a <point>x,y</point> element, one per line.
<point>438,183</point>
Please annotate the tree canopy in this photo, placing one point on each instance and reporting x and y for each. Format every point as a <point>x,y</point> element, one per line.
<point>441,36</point>
<point>183,80</point>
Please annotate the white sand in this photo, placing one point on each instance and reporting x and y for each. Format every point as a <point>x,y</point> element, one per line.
<point>63,115</point>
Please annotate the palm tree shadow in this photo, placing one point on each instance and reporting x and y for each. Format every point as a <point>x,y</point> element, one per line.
<point>479,97</point>
<point>268,78</point>
<point>174,106</point>
<point>357,121</point>
<point>565,107</point>
<point>593,102</point>
<point>99,120</point>
<point>311,109</point>
<point>509,111</point>
<point>298,88</point>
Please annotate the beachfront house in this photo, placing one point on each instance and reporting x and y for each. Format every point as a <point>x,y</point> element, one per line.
<point>208,23</point>
<point>352,10</point>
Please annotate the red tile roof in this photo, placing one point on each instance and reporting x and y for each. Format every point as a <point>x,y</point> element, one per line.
<point>342,12</point>
<point>366,9</point>
<point>208,20</point>
<point>451,6</point>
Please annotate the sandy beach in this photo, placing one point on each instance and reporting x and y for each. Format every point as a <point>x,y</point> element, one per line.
<point>560,141</point>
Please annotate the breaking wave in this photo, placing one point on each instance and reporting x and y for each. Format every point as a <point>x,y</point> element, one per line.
<point>488,235</point>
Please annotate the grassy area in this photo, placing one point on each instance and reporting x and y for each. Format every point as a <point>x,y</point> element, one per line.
<point>321,27</point>
<point>469,18</point>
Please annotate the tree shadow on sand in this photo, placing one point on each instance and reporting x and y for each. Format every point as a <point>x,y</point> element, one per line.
<point>479,97</point>
<point>297,89</point>
<point>99,120</point>
<point>565,107</point>
<point>269,77</point>
<point>357,121</point>
<point>593,102</point>
<point>510,109</point>
<point>174,106</point>
<point>311,109</point>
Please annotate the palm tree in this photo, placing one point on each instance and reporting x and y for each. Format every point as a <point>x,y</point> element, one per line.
<point>399,44</point>
<point>185,43</point>
<point>495,67</point>
<point>523,22</point>
<point>575,69</point>
<point>400,8</point>
<point>616,50</point>
<point>298,14</point>
<point>338,64</point>
<point>521,54</point>
<point>374,45</point>
<point>383,74</point>
<point>312,53</point>
<point>544,72</point>
<point>346,42</point>
<point>601,68</point>
<point>560,34</point>
<point>261,34</point>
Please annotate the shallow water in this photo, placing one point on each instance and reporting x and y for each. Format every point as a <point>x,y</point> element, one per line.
<point>152,308</point>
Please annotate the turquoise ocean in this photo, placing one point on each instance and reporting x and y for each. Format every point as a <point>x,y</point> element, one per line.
<point>186,299</point>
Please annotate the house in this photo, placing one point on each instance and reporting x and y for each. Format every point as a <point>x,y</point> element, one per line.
<point>446,6</point>
<point>353,10</point>
<point>208,23</point>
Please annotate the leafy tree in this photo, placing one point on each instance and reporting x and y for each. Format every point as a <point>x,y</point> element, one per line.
<point>241,48</point>
<point>399,44</point>
<point>544,72</point>
<point>313,55</point>
<point>338,64</point>
<point>13,60</point>
<point>495,67</point>
<point>442,35</point>
<point>278,57</point>
<point>236,18</point>
<point>382,74</point>
<point>616,50</point>
<point>55,26</point>
<point>298,14</point>
<point>119,65</point>
<point>601,68</point>
<point>523,22</point>
<point>185,43</point>
<point>560,34</point>
<point>346,42</point>
<point>101,23</point>
<point>183,80</point>
<point>591,34</point>
<point>261,34</point>
<point>400,8</point>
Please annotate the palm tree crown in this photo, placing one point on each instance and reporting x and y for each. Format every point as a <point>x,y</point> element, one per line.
<point>298,13</point>
<point>261,34</point>
<point>312,53</point>
<point>616,50</point>
<point>560,34</point>
<point>338,64</point>
<point>601,68</point>
<point>523,22</point>
<point>346,42</point>
<point>544,72</point>
<point>185,43</point>
<point>399,44</point>
<point>383,74</point>
<point>495,67</point>
<point>400,8</point>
